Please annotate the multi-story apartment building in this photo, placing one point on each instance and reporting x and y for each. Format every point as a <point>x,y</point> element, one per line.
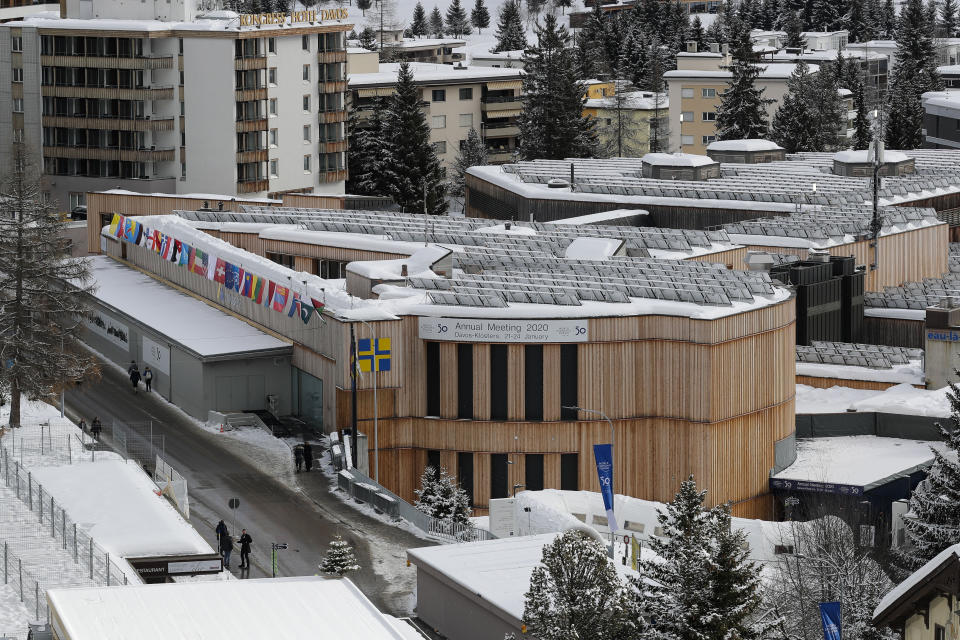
<point>160,98</point>
<point>455,98</point>
<point>626,123</point>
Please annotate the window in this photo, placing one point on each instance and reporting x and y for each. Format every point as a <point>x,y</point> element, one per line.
<point>18,136</point>
<point>438,122</point>
<point>686,140</point>
<point>273,106</point>
<point>17,74</point>
<point>686,116</point>
<point>306,133</point>
<point>708,116</point>
<point>686,93</point>
<point>272,45</point>
<point>466,119</point>
<point>274,137</point>
<point>183,138</point>
<point>180,45</point>
<point>499,381</point>
<point>465,381</point>
<point>274,168</point>
<point>939,632</point>
<point>18,105</point>
<point>466,93</point>
<point>433,379</point>
<point>181,81</point>
<point>306,164</point>
<point>272,76</point>
<point>305,42</point>
<point>569,467</point>
<point>465,473</point>
<point>16,43</point>
<point>306,103</point>
<point>440,147</point>
<point>568,381</point>
<point>498,476</point>
<point>439,95</point>
<point>708,93</point>
<point>306,72</point>
<point>183,169</point>
<point>533,474</point>
<point>707,139</point>
<point>533,381</point>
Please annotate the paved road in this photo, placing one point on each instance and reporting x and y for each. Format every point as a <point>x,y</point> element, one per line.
<point>271,510</point>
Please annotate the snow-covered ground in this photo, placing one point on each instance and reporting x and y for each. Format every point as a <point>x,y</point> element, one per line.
<point>902,399</point>
<point>14,617</point>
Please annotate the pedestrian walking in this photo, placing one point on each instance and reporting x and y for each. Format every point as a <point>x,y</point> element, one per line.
<point>298,456</point>
<point>245,542</point>
<point>226,548</point>
<point>135,377</point>
<point>133,365</point>
<point>221,531</point>
<point>307,456</point>
<point>83,425</point>
<point>96,428</point>
<point>147,378</point>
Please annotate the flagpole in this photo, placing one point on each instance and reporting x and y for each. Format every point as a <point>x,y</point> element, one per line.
<point>353,393</point>
<point>376,433</point>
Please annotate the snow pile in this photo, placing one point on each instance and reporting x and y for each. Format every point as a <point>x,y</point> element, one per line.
<point>749,144</point>
<point>917,577</point>
<point>677,160</point>
<point>912,372</point>
<point>419,265</point>
<point>902,399</point>
<point>593,248</point>
<point>14,616</point>
<point>862,156</point>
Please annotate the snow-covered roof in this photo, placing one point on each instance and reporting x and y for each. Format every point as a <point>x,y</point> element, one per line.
<point>902,399</point>
<point>638,100</point>
<point>118,506</point>
<point>221,610</point>
<point>214,198</point>
<point>413,43</point>
<point>949,69</point>
<point>772,71</point>
<point>50,20</point>
<point>197,326</point>
<point>860,156</point>
<point>859,461</point>
<point>499,55</point>
<point>418,265</point>
<point>951,553</point>
<point>603,216</point>
<point>426,72</point>
<point>911,373</point>
<point>677,160</point>
<point>751,144</point>
<point>593,248</point>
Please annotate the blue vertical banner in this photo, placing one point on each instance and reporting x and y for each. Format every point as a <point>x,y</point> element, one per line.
<point>604,456</point>
<point>830,616</point>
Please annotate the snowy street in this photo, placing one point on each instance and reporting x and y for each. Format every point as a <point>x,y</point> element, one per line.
<point>275,504</point>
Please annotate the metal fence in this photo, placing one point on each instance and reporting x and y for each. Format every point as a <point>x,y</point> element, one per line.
<point>135,441</point>
<point>94,561</point>
<point>27,587</point>
<point>173,485</point>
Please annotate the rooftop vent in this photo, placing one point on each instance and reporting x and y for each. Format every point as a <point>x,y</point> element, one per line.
<point>679,166</point>
<point>748,151</point>
<point>860,163</point>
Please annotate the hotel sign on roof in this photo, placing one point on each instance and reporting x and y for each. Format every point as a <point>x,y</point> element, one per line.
<point>294,17</point>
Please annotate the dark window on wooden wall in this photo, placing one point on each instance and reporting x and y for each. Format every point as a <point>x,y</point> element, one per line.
<point>498,476</point>
<point>465,473</point>
<point>433,379</point>
<point>568,381</point>
<point>570,472</point>
<point>534,472</point>
<point>433,460</point>
<point>533,381</point>
<point>465,381</point>
<point>498,382</point>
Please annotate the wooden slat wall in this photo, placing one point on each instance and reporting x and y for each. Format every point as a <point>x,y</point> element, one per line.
<point>732,258</point>
<point>827,383</point>
<point>448,380</point>
<point>481,382</point>
<point>551,382</point>
<point>515,399</point>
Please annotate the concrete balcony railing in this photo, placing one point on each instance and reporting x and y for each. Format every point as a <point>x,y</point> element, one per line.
<point>113,124</point>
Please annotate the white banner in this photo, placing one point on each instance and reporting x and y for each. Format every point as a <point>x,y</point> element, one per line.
<point>156,356</point>
<point>503,330</point>
<point>192,566</point>
<point>105,326</point>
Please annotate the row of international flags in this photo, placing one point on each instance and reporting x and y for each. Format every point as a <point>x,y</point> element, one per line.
<point>230,277</point>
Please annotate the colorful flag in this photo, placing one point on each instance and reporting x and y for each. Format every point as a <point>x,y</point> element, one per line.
<point>185,254</point>
<point>212,261</point>
<point>257,292</point>
<point>306,312</point>
<point>121,227</point>
<point>231,279</point>
<point>271,288</point>
<point>177,248</point>
<point>280,298</point>
<point>220,271</point>
<point>246,288</point>
<point>198,262</point>
<point>166,247</point>
<point>157,240</point>
<point>144,236</point>
<point>317,306</point>
<point>114,223</point>
<point>294,305</point>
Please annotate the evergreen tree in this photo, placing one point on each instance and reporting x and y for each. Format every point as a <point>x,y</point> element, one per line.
<point>857,21</point>
<point>552,124</point>
<point>936,501</point>
<point>825,15</point>
<point>368,39</point>
<point>534,7</point>
<point>511,35</point>
<point>794,32</point>
<point>829,111</point>
<point>436,23</point>
<point>457,22</point>
<point>904,116</point>
<point>862,135</point>
<point>363,5</point>
<point>40,316</point>
<point>480,16</point>
<point>948,19</point>
<point>742,111</point>
<point>419,185</point>
<point>418,24</point>
<point>737,589</point>
<point>339,558</point>
<point>440,497</point>
<point>795,123</point>
<point>769,10</point>
<point>589,43</point>
<point>888,20</point>
<point>915,73</point>
<point>371,168</point>
<point>696,33</point>
<point>563,4</point>
<point>576,593</point>
<point>473,153</point>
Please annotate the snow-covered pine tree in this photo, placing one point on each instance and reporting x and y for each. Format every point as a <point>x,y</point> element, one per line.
<point>510,32</point>
<point>915,73</point>
<point>436,22</point>
<point>426,495</point>
<point>904,114</point>
<point>480,16</point>
<point>418,22</point>
<point>696,33</point>
<point>339,558</point>
<point>473,153</point>
<point>552,124</point>
<point>935,503</point>
<point>887,23</point>
<point>948,18</point>
<point>563,4</point>
<point>857,21</point>
<point>576,593</point>
<point>742,111</point>
<point>440,497</point>
<point>589,44</point>
<point>862,133</point>
<point>793,27</point>
<point>768,12</point>
<point>795,123</point>
<point>368,39</point>
<point>40,315</point>
<point>363,5</point>
<point>826,15</point>
<point>457,22</point>
<point>748,11</point>
<point>419,183</point>
<point>370,156</point>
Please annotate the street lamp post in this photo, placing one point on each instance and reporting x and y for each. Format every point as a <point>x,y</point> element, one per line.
<point>612,448</point>
<point>376,412</point>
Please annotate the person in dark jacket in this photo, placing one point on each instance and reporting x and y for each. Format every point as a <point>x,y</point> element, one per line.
<point>147,378</point>
<point>83,425</point>
<point>226,548</point>
<point>95,428</point>
<point>245,541</point>
<point>298,456</point>
<point>221,531</point>
<point>135,377</point>
<point>307,456</point>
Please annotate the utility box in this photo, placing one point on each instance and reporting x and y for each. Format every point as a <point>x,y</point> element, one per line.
<point>942,343</point>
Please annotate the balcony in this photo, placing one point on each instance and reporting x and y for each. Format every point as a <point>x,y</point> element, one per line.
<point>248,64</point>
<point>94,62</point>
<point>113,124</point>
<point>505,103</point>
<point>508,130</point>
<point>252,186</point>
<point>332,147</point>
<point>99,153</point>
<point>246,95</point>
<point>328,117</point>
<point>326,57</point>
<point>109,93</point>
<point>499,155</point>
<point>257,124</point>
<point>333,86</point>
<point>254,155</point>
<point>332,176</point>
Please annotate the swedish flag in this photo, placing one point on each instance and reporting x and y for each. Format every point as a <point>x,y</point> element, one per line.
<point>373,357</point>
